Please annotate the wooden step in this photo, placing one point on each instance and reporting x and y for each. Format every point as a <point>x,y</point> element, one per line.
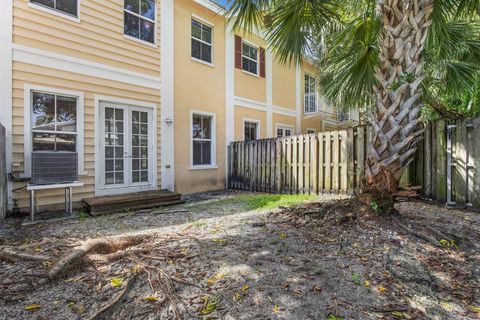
<point>131,201</point>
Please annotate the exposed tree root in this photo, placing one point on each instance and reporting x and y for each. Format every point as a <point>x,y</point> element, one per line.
<point>112,257</point>
<point>14,256</point>
<point>422,236</point>
<point>119,297</point>
<point>95,246</point>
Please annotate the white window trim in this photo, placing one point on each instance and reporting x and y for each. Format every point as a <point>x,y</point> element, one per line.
<point>57,12</point>
<point>209,24</point>
<point>253,121</point>
<point>283,127</point>
<point>102,191</point>
<point>213,150</point>
<point>27,125</point>
<point>154,21</point>
<point>257,61</point>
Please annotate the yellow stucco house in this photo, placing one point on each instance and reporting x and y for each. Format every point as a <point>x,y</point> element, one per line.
<point>149,93</point>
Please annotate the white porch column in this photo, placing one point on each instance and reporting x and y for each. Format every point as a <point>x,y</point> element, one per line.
<point>167,95</point>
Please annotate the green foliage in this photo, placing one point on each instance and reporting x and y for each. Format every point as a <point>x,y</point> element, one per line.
<point>333,317</point>
<point>272,201</point>
<point>448,244</point>
<point>343,40</point>
<point>357,279</point>
<point>83,215</point>
<point>374,207</point>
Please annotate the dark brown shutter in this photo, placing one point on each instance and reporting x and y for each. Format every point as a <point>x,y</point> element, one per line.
<point>262,62</point>
<point>238,52</point>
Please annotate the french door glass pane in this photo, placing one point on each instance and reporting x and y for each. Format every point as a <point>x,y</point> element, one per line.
<point>114,146</point>
<point>139,141</point>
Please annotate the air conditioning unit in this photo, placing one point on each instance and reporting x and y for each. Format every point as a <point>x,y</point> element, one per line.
<point>54,167</point>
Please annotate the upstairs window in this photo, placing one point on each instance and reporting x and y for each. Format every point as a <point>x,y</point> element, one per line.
<point>201,41</point>
<point>310,94</point>
<point>139,18</point>
<point>69,7</point>
<point>249,58</point>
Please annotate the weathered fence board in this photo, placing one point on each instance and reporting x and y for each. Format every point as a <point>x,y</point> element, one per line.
<point>303,164</point>
<point>3,174</point>
<point>447,164</point>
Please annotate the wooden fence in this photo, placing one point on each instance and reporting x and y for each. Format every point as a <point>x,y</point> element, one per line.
<point>327,162</point>
<point>3,174</point>
<point>447,165</point>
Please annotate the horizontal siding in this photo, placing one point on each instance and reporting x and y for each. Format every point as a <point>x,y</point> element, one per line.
<point>98,37</point>
<point>35,75</point>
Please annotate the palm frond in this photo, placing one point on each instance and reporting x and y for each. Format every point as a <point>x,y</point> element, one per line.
<point>348,62</point>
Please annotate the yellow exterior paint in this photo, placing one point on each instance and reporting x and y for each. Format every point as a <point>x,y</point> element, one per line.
<point>56,79</point>
<point>280,119</point>
<point>284,85</point>
<point>245,113</point>
<point>198,87</point>
<point>98,37</point>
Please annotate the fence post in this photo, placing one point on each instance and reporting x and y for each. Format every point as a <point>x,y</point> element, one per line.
<point>335,161</point>
<point>460,177</point>
<point>427,171</point>
<point>350,161</point>
<point>440,161</point>
<point>476,164</point>
<point>328,164</point>
<point>300,161</point>
<point>321,162</point>
<point>360,158</point>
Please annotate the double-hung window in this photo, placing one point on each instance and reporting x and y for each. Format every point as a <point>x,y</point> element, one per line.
<point>54,122</point>
<point>139,19</point>
<point>249,58</point>
<point>203,136</point>
<point>68,7</point>
<point>310,94</point>
<point>250,129</point>
<point>201,41</point>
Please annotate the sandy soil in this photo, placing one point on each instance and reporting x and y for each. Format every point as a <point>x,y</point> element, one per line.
<point>212,258</point>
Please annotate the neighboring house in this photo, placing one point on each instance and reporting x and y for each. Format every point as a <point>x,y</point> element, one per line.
<point>148,92</point>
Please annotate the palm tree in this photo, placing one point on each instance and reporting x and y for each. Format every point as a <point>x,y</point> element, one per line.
<point>392,56</point>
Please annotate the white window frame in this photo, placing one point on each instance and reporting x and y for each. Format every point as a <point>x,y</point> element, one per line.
<point>101,190</point>
<point>283,127</point>
<point>248,43</point>
<point>27,125</point>
<point>311,77</point>
<point>154,21</point>
<point>213,149</point>
<point>257,122</point>
<point>211,26</point>
<point>56,12</point>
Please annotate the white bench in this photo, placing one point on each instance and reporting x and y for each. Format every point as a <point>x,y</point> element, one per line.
<point>68,195</point>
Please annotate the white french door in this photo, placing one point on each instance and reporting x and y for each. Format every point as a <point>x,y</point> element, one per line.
<point>125,149</point>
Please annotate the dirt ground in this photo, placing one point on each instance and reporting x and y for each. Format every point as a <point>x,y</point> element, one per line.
<point>233,255</point>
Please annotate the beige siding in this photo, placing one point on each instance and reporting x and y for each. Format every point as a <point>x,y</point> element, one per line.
<point>241,114</point>
<point>39,76</point>
<point>97,38</point>
<point>284,85</point>
<point>198,87</point>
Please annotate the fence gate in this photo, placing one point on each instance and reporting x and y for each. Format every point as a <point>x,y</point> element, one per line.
<point>327,162</point>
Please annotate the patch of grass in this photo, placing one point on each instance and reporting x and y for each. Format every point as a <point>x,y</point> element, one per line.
<point>272,201</point>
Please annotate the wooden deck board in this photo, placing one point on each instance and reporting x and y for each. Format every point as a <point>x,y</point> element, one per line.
<point>138,200</point>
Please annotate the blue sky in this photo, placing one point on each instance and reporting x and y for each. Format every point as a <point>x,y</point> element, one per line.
<point>223,2</point>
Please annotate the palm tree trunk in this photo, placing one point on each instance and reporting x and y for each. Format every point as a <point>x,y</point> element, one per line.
<point>395,123</point>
